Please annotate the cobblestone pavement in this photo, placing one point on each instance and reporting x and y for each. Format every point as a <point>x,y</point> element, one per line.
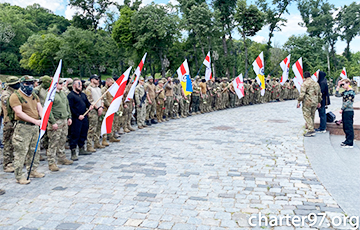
<point>210,171</point>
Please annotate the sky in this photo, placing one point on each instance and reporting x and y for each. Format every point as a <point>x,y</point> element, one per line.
<point>61,7</point>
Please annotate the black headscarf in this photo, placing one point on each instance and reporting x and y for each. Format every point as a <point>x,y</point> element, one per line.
<point>324,89</point>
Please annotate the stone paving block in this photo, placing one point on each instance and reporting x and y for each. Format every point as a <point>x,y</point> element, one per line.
<point>68,226</point>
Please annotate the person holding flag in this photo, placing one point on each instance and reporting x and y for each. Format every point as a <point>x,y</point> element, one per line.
<point>57,130</point>
<point>259,69</point>
<point>27,108</point>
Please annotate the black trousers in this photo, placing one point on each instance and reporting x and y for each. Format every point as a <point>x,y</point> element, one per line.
<point>348,126</point>
<point>78,132</point>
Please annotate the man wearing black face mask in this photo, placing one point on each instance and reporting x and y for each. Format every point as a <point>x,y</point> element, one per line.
<point>12,84</point>
<point>28,111</point>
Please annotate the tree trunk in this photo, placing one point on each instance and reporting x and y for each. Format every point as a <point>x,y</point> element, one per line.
<point>196,61</point>
<point>246,55</point>
<point>214,70</point>
<point>226,55</point>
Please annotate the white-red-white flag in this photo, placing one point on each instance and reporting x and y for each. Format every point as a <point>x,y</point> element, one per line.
<point>137,76</point>
<point>207,63</point>
<point>343,74</point>
<point>49,100</point>
<point>285,66</point>
<point>119,86</point>
<point>298,71</point>
<point>315,76</point>
<point>238,84</point>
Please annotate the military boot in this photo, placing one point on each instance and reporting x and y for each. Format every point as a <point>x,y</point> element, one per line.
<point>126,130</point>
<point>104,142</point>
<point>97,145</point>
<point>53,168</point>
<point>36,174</point>
<point>9,168</point>
<point>153,121</point>
<point>113,139</point>
<point>73,155</point>
<point>83,152</point>
<point>42,158</point>
<point>23,180</point>
<point>65,161</point>
<point>140,127</point>
<point>2,192</point>
<point>130,127</point>
<point>90,148</point>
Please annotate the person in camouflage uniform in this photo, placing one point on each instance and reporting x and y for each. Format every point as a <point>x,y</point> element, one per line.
<point>310,96</point>
<point>27,108</point>
<point>232,95</point>
<point>182,100</point>
<point>67,86</point>
<point>177,98</point>
<point>107,101</point>
<point>257,92</point>
<point>57,129</point>
<point>160,101</point>
<point>195,96</point>
<point>140,101</point>
<point>217,94</point>
<point>151,104</point>
<point>12,84</point>
<point>128,108</point>
<point>41,91</point>
<point>169,102</point>
<point>203,95</point>
<point>93,93</point>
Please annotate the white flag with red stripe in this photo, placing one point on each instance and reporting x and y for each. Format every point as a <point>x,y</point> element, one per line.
<point>259,69</point>
<point>343,74</point>
<point>298,71</point>
<point>137,76</point>
<point>238,84</point>
<point>315,76</point>
<point>49,100</point>
<point>119,86</point>
<point>207,63</point>
<point>285,66</point>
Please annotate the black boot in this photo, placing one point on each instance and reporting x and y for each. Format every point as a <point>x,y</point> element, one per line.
<point>73,155</point>
<point>148,123</point>
<point>83,152</point>
<point>153,121</point>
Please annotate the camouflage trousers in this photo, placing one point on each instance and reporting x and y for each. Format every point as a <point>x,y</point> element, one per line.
<point>57,139</point>
<point>141,114</point>
<point>176,107</point>
<point>127,115</point>
<point>186,109</point>
<point>8,151</point>
<point>160,109</point>
<point>169,106</point>
<point>232,100</point>
<point>150,110</point>
<point>309,116</point>
<point>94,128</point>
<point>24,141</point>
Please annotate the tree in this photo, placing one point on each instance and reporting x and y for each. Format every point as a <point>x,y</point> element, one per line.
<point>349,25</point>
<point>155,28</point>
<point>250,20</point>
<point>39,53</point>
<point>314,56</point>
<point>225,10</point>
<point>317,16</point>
<point>274,18</point>
<point>92,12</point>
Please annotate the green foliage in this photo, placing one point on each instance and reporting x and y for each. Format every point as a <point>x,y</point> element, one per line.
<point>39,53</point>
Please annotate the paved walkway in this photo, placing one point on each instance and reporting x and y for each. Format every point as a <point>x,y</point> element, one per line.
<point>210,171</point>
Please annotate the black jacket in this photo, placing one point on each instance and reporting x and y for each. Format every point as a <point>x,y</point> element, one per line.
<point>324,89</point>
<point>78,104</point>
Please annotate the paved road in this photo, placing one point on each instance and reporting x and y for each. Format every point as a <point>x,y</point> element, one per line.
<point>210,171</point>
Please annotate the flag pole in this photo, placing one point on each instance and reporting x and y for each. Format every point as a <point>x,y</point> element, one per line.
<point>32,162</point>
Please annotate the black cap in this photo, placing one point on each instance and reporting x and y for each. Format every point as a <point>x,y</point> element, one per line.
<point>94,77</point>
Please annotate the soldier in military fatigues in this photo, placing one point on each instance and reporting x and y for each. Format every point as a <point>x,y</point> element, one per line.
<point>27,108</point>
<point>12,84</point>
<point>57,129</point>
<point>160,98</point>
<point>93,93</point>
<point>140,101</point>
<point>151,103</point>
<point>169,102</point>
<point>107,101</point>
<point>177,98</point>
<point>195,97</point>
<point>310,96</point>
<point>128,106</point>
<point>203,95</point>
